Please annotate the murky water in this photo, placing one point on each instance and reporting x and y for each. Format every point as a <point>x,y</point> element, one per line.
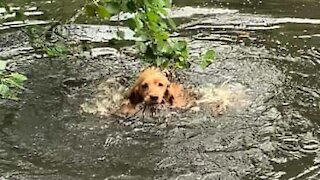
<point>65,128</point>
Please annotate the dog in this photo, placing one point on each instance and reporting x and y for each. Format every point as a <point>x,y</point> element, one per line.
<point>152,87</point>
<point>149,88</point>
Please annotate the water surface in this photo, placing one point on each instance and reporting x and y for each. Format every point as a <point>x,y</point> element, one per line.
<point>269,47</point>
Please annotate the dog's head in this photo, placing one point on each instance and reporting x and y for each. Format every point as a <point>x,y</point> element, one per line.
<point>150,87</point>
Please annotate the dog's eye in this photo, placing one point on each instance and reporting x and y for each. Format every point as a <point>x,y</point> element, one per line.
<point>144,86</point>
<point>160,84</point>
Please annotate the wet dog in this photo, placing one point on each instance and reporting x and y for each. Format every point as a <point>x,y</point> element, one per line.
<point>152,87</point>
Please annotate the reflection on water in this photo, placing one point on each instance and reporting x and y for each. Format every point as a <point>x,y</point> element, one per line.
<point>269,47</point>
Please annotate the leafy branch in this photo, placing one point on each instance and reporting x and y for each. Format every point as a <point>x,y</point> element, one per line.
<point>41,39</point>
<point>152,26</point>
<point>10,84</point>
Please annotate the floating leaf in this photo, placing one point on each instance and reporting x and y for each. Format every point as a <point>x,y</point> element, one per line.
<point>208,58</point>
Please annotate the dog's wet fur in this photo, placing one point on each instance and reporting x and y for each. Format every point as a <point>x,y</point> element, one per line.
<point>152,88</point>
<point>153,92</point>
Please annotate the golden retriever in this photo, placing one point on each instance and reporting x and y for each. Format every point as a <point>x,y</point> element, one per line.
<point>153,87</point>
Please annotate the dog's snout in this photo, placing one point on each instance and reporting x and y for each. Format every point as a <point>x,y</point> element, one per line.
<point>153,98</point>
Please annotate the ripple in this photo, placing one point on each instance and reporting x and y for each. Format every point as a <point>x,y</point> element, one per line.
<point>29,12</point>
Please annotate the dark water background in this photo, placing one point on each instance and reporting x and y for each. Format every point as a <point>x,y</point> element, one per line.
<point>271,47</point>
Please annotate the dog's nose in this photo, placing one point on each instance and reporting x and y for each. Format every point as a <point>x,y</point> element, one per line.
<point>153,98</point>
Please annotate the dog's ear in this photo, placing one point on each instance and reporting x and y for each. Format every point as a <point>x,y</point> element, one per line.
<point>134,96</point>
<point>175,95</point>
<point>168,95</point>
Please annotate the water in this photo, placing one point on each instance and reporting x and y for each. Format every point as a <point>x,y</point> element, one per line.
<point>65,126</point>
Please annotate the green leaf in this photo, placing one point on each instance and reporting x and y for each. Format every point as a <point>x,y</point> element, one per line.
<point>132,24</point>
<point>161,36</point>
<point>131,7</point>
<point>208,58</point>
<point>165,64</point>
<point>172,24</point>
<point>163,12</point>
<point>17,77</point>
<point>12,83</point>
<point>147,3</point>
<point>167,48</point>
<point>60,48</point>
<point>163,26</point>
<point>154,27</point>
<point>141,47</point>
<point>178,65</point>
<point>56,50</point>
<point>181,45</point>
<point>159,61</point>
<point>152,16</point>
<point>4,90</point>
<point>167,3</point>
<point>103,12</point>
<point>90,9</point>
<point>113,7</point>
<point>3,65</point>
<point>12,95</point>
<point>150,24</point>
<point>138,22</point>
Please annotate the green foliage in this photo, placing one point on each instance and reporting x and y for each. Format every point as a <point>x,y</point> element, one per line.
<point>207,58</point>
<point>10,84</point>
<point>40,39</point>
<point>55,49</point>
<point>151,25</point>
